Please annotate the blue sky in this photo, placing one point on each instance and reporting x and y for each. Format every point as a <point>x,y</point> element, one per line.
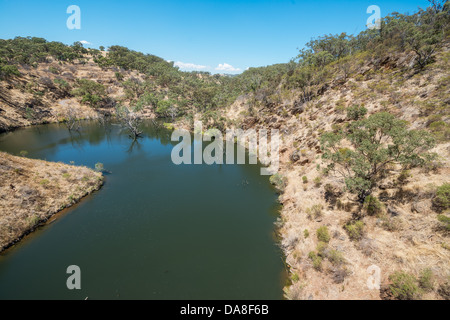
<point>216,36</point>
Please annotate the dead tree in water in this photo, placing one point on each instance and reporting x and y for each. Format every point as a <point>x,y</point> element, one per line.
<point>130,121</point>
<point>70,116</point>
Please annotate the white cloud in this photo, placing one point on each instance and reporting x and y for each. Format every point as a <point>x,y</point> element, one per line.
<point>85,42</point>
<point>189,66</point>
<point>226,67</point>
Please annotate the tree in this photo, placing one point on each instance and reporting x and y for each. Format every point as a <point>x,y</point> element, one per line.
<point>91,92</point>
<point>129,120</point>
<point>167,108</point>
<point>376,143</point>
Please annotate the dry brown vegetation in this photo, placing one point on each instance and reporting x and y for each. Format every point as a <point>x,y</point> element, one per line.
<point>31,191</point>
<point>405,234</point>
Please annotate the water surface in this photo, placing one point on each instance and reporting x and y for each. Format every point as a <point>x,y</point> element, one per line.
<point>154,231</point>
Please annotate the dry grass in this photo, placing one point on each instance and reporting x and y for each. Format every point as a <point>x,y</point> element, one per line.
<point>31,191</point>
<point>409,242</point>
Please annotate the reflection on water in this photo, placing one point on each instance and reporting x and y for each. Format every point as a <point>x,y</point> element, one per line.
<point>154,231</point>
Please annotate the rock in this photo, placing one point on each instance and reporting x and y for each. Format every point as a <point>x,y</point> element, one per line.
<point>295,156</point>
<point>421,206</point>
<point>304,162</point>
<point>393,211</point>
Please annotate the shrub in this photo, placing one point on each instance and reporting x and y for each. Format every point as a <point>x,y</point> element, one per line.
<point>442,197</point>
<point>356,112</point>
<point>316,260</point>
<point>317,182</point>
<point>335,257</point>
<point>315,211</point>
<point>6,71</point>
<point>91,92</point>
<point>445,221</point>
<point>306,233</point>
<point>323,234</point>
<point>321,247</point>
<point>355,230</point>
<point>279,181</point>
<point>372,205</point>
<point>404,286</point>
<point>426,280</point>
<point>305,179</point>
<point>404,176</point>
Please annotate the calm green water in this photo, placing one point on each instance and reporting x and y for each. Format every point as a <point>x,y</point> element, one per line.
<point>154,231</point>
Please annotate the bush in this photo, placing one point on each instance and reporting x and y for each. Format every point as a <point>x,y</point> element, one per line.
<point>6,71</point>
<point>305,179</point>
<point>426,280</point>
<point>404,286</point>
<point>317,182</point>
<point>372,205</point>
<point>323,234</point>
<point>306,233</point>
<point>91,92</point>
<point>445,221</point>
<point>315,211</point>
<point>316,260</point>
<point>335,257</point>
<point>442,197</point>
<point>356,112</point>
<point>321,248</point>
<point>279,181</point>
<point>355,230</point>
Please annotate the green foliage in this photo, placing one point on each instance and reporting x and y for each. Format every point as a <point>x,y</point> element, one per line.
<point>356,112</point>
<point>426,280</point>
<point>91,92</point>
<point>445,221</point>
<point>323,234</point>
<point>305,179</point>
<point>355,230</point>
<point>404,286</point>
<point>335,257</point>
<point>167,108</point>
<point>321,248</point>
<point>377,142</point>
<point>7,71</point>
<point>316,260</point>
<point>442,197</point>
<point>118,76</point>
<point>372,205</point>
<point>317,182</point>
<point>279,181</point>
<point>306,233</point>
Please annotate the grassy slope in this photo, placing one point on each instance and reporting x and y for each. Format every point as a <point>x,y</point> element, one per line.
<point>410,240</point>
<point>33,190</point>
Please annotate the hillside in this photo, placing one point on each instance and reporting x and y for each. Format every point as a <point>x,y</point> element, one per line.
<point>340,89</point>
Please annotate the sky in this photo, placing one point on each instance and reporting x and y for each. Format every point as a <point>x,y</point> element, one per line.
<point>215,36</point>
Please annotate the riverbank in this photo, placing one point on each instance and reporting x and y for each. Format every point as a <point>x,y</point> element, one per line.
<point>34,190</point>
